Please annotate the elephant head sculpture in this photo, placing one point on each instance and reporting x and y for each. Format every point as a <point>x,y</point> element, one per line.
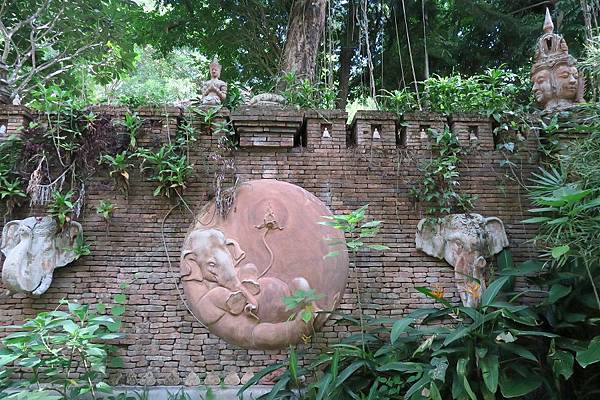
<point>34,247</point>
<point>464,241</point>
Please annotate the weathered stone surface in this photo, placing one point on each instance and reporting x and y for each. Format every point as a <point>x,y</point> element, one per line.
<point>192,380</point>
<point>212,379</point>
<point>232,379</point>
<point>464,241</point>
<point>267,100</point>
<point>148,379</point>
<point>161,334</point>
<point>34,247</point>
<point>236,271</point>
<point>172,378</point>
<point>556,81</point>
<point>246,378</point>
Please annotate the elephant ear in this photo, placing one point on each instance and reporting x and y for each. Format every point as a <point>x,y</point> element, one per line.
<point>429,238</point>
<point>65,242</point>
<point>10,236</point>
<point>236,251</point>
<point>496,235</point>
<point>190,271</point>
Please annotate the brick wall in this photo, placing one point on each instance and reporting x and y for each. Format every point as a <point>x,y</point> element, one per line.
<point>165,345</point>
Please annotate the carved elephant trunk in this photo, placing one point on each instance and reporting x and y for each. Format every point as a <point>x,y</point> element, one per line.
<point>464,241</point>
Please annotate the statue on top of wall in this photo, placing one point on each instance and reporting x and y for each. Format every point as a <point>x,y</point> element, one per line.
<point>556,81</point>
<point>214,90</point>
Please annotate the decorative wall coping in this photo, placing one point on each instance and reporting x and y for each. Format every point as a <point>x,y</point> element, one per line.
<point>267,126</point>
<point>469,117</point>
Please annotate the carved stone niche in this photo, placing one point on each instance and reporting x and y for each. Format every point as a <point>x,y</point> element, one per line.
<point>374,128</point>
<point>464,241</point>
<point>236,270</point>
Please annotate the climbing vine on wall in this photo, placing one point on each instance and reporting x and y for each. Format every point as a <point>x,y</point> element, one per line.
<point>439,188</point>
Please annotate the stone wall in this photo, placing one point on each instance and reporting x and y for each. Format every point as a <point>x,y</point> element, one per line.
<point>165,345</point>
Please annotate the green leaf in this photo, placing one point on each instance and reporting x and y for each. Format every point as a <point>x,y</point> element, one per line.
<point>519,350</point>
<point>562,363</point>
<point>8,358</point>
<point>560,251</point>
<point>348,371</point>
<point>434,392</point>
<point>492,291</point>
<point>399,327</point>
<point>293,364</point>
<point>378,247</point>
<point>440,365</point>
<point>536,220</point>
<point>504,260</point>
<point>518,386</point>
<point>591,355</point>
<point>70,326</point>
<point>306,315</point>
<point>100,308</point>
<point>557,292</point>
<point>489,371</point>
<point>371,224</point>
<point>461,370</point>
<point>117,310</point>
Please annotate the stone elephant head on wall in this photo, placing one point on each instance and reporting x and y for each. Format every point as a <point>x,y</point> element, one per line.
<point>464,241</point>
<point>34,247</point>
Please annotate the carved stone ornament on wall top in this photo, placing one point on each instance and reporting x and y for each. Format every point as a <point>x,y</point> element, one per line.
<point>237,270</point>
<point>556,81</point>
<point>214,90</point>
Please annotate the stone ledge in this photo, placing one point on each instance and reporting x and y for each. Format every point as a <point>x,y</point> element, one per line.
<point>199,393</point>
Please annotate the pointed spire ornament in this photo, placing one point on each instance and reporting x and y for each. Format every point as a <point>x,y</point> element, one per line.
<point>548,24</point>
<point>556,81</point>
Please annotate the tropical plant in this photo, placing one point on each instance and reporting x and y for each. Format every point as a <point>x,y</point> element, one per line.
<point>168,168</point>
<point>303,93</point>
<point>81,248</point>
<point>61,207</point>
<point>132,122</point>
<point>119,169</point>
<point>51,347</point>
<point>105,209</point>
<point>499,350</point>
<point>440,183</point>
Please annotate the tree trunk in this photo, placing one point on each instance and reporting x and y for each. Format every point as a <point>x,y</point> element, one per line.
<point>346,54</point>
<point>307,22</point>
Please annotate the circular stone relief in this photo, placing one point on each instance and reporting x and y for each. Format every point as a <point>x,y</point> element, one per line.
<point>236,271</point>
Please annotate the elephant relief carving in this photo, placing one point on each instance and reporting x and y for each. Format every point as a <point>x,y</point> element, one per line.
<point>233,300</point>
<point>34,247</point>
<point>238,268</point>
<point>464,241</point>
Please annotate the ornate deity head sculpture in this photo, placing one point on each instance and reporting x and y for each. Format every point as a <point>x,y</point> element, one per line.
<point>556,82</point>
<point>34,247</point>
<point>464,241</point>
<point>215,68</point>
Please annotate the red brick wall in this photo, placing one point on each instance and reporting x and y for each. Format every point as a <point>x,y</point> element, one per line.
<point>165,344</point>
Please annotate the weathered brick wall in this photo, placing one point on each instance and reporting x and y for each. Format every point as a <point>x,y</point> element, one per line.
<point>165,344</point>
